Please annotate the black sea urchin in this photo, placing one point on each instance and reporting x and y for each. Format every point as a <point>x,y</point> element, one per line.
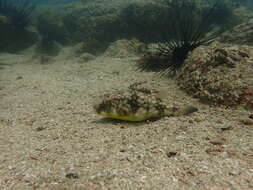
<point>187,29</point>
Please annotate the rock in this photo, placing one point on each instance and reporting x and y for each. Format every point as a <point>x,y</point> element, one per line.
<point>19,77</point>
<point>77,50</point>
<point>125,48</point>
<point>40,128</point>
<point>107,22</point>
<point>241,34</point>
<point>191,121</point>
<point>171,154</point>
<point>14,40</point>
<point>86,57</point>
<point>88,46</point>
<point>47,49</point>
<point>72,176</point>
<point>51,28</point>
<point>235,172</point>
<point>215,151</point>
<point>219,74</point>
<point>251,116</point>
<point>217,141</point>
<point>45,59</point>
<point>224,127</point>
<point>198,119</point>
<point>219,121</point>
<point>92,21</point>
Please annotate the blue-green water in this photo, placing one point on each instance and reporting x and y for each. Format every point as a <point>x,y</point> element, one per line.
<point>49,1</point>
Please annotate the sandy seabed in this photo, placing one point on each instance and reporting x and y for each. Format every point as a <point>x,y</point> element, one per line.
<point>50,137</point>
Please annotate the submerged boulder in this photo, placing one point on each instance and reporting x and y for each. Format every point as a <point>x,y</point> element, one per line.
<point>241,34</point>
<point>125,48</point>
<point>219,74</point>
<point>14,40</point>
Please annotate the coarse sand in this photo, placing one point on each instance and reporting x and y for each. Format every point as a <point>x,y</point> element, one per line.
<point>50,137</point>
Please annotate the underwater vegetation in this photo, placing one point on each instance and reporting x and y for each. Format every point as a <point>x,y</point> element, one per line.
<point>149,21</point>
<point>91,23</point>
<point>126,48</point>
<point>14,18</point>
<point>51,31</point>
<point>18,12</point>
<point>191,24</point>
<point>143,21</point>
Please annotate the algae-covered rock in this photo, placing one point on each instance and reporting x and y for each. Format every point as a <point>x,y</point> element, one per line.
<point>92,21</point>
<point>51,28</point>
<point>13,40</point>
<point>125,48</point>
<point>91,46</point>
<point>50,48</point>
<point>52,34</point>
<point>219,74</point>
<point>241,34</point>
<point>147,21</point>
<point>108,21</point>
<point>86,57</point>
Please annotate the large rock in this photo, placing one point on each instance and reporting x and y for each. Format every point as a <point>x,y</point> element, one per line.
<point>13,40</point>
<point>219,74</point>
<point>126,48</point>
<point>108,21</point>
<point>241,34</point>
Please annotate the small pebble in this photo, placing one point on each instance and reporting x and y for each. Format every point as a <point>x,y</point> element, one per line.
<point>217,141</point>
<point>86,57</point>
<point>72,176</point>
<point>19,77</point>
<point>224,128</point>
<point>198,119</point>
<point>219,121</point>
<point>28,122</point>
<point>235,172</point>
<point>171,154</point>
<point>251,116</point>
<point>181,138</point>
<point>40,128</point>
<point>190,121</point>
<point>214,151</point>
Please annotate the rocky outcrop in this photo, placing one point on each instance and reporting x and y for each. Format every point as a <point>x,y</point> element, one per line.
<point>219,74</point>
<point>14,40</point>
<point>125,48</point>
<point>241,34</point>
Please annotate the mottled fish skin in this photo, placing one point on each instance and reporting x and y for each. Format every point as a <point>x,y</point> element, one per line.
<point>136,105</point>
<point>142,114</point>
<point>180,111</point>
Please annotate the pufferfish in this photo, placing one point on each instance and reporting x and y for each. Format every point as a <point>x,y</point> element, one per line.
<point>137,104</point>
